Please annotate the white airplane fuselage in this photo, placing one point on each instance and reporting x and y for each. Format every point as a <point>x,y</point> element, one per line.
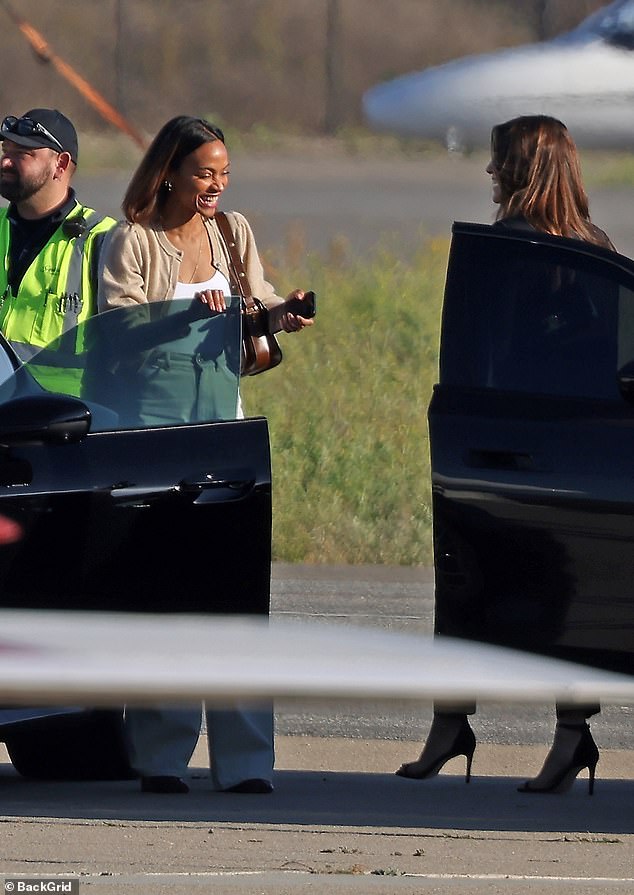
<point>580,78</point>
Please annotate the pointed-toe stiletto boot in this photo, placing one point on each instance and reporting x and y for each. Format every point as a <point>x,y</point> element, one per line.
<point>464,743</point>
<point>585,755</point>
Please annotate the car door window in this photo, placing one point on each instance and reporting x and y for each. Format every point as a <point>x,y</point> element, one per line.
<point>136,487</point>
<point>163,363</point>
<point>536,318</point>
<point>531,439</point>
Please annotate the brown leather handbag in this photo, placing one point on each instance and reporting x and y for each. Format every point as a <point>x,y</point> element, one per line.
<point>260,349</point>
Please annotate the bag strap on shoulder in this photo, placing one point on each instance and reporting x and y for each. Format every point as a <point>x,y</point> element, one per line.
<point>236,265</point>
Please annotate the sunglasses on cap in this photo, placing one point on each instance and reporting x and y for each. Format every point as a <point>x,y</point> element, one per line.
<point>26,127</point>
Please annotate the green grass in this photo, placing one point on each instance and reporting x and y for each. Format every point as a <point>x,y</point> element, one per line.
<point>615,169</point>
<point>347,410</point>
<point>100,151</point>
<point>114,151</point>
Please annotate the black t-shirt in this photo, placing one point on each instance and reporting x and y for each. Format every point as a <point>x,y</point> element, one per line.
<point>28,238</point>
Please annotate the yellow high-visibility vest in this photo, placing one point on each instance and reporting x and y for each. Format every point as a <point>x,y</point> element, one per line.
<point>57,292</point>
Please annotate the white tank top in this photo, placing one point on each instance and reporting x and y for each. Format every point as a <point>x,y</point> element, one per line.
<point>188,290</point>
<point>218,281</point>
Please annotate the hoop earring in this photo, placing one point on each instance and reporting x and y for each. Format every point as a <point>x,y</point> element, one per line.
<point>168,185</point>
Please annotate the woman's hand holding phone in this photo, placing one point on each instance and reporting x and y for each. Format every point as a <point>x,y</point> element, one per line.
<point>298,311</point>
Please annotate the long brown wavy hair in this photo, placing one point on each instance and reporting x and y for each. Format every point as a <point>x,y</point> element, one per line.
<point>149,187</point>
<point>537,166</point>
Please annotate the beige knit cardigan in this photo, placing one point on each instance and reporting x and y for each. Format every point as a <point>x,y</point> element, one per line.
<point>139,264</point>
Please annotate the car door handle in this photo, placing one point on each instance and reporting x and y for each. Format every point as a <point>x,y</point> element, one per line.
<point>484,459</point>
<point>125,495</point>
<point>201,490</point>
<point>212,487</point>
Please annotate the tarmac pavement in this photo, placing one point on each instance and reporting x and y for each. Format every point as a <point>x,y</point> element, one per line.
<point>328,202</point>
<point>339,820</point>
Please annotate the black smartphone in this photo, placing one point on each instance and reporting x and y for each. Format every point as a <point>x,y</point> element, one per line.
<point>306,306</point>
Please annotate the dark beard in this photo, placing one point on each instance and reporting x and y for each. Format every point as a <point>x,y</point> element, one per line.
<point>17,189</point>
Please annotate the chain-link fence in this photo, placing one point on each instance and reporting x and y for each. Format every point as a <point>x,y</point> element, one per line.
<point>297,64</point>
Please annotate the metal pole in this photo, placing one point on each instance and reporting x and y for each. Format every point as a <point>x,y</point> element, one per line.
<point>118,55</point>
<point>334,80</point>
<point>542,9</point>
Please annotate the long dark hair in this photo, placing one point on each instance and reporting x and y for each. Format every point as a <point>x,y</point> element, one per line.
<point>149,187</point>
<point>537,166</point>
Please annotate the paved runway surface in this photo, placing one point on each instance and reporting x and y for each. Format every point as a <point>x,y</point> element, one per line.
<point>339,820</point>
<point>362,202</point>
<point>402,599</point>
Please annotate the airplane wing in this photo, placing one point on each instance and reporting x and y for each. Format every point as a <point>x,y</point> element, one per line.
<point>52,657</point>
<point>584,77</point>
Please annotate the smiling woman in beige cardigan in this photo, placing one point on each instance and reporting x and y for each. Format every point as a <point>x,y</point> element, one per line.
<point>169,246</point>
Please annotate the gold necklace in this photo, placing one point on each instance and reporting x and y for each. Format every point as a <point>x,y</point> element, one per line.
<point>200,248</point>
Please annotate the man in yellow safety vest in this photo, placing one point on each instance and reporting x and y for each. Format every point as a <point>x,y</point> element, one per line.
<point>49,246</point>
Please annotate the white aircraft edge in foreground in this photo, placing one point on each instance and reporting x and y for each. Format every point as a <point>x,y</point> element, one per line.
<point>585,78</point>
<point>93,658</point>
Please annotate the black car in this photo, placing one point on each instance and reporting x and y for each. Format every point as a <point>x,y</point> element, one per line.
<point>532,445</point>
<point>145,492</point>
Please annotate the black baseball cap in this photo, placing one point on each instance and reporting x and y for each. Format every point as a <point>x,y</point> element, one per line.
<point>42,129</point>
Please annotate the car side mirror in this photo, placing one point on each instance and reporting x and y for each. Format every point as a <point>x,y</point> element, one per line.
<point>43,419</point>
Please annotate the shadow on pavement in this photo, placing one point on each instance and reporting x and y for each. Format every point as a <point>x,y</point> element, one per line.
<point>315,798</point>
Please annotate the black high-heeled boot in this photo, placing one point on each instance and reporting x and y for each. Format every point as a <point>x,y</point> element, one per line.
<point>462,742</point>
<point>562,776</point>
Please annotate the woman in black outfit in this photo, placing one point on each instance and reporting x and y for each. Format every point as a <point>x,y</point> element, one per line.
<point>537,184</point>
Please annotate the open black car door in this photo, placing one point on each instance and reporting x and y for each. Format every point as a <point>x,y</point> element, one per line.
<point>532,445</point>
<point>145,492</point>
